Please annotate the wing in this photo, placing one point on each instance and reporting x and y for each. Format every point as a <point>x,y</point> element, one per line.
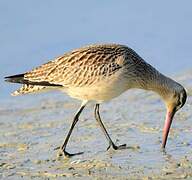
<point>80,67</point>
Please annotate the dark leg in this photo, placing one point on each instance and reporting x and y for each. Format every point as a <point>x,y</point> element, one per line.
<point>98,118</point>
<point>75,120</point>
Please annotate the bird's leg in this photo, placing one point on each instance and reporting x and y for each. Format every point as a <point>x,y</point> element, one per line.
<point>75,120</point>
<point>111,143</point>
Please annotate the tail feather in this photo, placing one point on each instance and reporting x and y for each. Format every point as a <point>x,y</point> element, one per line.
<point>29,86</point>
<point>26,89</point>
<point>19,78</point>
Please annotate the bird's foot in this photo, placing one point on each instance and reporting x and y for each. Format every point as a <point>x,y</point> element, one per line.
<point>66,154</point>
<point>122,146</point>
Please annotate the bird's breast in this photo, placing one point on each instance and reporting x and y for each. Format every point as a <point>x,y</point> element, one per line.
<point>103,90</point>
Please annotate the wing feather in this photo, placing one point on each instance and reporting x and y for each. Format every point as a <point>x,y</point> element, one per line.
<point>81,67</point>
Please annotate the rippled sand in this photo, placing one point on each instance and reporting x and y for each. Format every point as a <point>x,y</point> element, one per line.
<point>32,126</point>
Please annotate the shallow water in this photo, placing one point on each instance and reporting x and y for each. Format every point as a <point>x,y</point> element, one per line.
<point>32,127</point>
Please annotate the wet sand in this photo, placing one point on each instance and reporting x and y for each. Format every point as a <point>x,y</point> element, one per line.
<point>32,126</point>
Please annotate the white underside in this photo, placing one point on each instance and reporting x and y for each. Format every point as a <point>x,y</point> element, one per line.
<point>101,91</point>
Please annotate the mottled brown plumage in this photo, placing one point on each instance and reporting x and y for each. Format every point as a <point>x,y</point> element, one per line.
<point>99,73</point>
<point>82,67</point>
<point>27,88</point>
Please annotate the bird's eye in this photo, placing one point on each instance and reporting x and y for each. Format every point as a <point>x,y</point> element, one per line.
<point>179,103</point>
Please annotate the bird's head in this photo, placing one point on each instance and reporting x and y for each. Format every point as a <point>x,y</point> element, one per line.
<point>174,100</point>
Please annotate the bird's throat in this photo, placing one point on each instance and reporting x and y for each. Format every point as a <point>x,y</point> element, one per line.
<point>162,85</point>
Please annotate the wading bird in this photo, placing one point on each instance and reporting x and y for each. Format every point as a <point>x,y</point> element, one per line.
<point>99,73</point>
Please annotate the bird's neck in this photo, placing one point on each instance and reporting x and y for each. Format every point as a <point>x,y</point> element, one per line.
<point>158,83</point>
<point>162,85</point>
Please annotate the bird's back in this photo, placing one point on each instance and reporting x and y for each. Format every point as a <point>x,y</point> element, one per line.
<point>83,67</point>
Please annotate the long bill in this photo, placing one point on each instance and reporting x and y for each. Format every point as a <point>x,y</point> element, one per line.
<point>167,125</point>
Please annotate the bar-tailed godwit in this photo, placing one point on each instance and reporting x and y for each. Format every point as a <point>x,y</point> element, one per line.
<point>99,73</point>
